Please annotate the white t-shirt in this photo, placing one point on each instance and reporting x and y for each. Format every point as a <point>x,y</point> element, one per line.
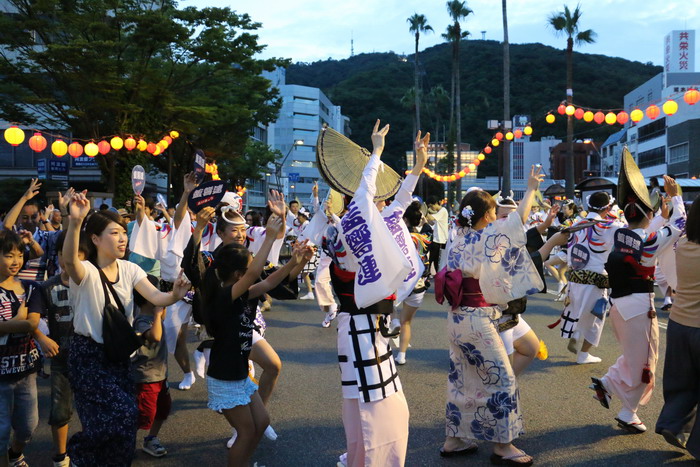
<point>88,299</point>
<point>440,226</point>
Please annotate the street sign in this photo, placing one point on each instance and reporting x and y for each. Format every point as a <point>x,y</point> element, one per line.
<point>84,162</point>
<point>293,177</point>
<point>58,170</point>
<point>41,169</point>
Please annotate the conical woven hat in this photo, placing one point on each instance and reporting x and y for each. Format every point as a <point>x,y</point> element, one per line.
<point>337,203</point>
<point>631,186</point>
<point>341,162</point>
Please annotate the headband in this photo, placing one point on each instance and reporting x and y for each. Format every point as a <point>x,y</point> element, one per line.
<point>610,203</point>
<point>229,208</point>
<point>505,201</point>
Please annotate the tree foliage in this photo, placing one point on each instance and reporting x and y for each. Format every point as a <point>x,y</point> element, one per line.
<point>101,67</point>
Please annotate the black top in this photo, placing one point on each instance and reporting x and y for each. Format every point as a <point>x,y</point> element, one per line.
<point>232,323</point>
<point>19,355</point>
<point>59,313</point>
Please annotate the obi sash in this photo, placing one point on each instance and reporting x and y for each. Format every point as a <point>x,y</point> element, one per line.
<point>458,290</point>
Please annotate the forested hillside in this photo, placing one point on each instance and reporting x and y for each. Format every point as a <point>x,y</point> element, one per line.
<point>370,86</point>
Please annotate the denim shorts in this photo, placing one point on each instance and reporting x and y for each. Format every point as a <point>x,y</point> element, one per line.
<point>19,410</point>
<point>225,395</point>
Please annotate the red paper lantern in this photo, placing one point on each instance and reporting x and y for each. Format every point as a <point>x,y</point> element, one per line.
<point>518,134</point>
<point>129,143</point>
<point>75,149</point>
<point>168,140</point>
<point>37,142</point>
<point>151,147</point>
<point>561,109</point>
<point>476,162</point>
<point>599,117</point>
<point>691,96</point>
<point>466,171</point>
<point>578,113</point>
<point>622,117</point>
<point>499,136</point>
<point>487,149</point>
<point>653,111</point>
<point>104,147</point>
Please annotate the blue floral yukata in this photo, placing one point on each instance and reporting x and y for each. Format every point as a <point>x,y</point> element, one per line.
<point>483,402</point>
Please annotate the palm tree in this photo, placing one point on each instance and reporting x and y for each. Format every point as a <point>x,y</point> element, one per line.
<point>506,97</point>
<point>418,23</point>
<point>457,11</point>
<point>567,23</point>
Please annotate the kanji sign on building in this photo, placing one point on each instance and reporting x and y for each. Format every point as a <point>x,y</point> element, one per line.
<point>679,52</point>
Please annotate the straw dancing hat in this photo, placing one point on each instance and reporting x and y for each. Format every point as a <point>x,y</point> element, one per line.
<point>341,162</point>
<point>631,187</point>
<point>336,201</point>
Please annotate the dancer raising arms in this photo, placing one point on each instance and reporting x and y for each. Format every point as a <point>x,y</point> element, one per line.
<point>486,260</point>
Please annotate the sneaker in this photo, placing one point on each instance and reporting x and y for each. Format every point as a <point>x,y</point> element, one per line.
<point>308,296</point>
<point>186,382</point>
<point>63,463</point>
<point>330,316</point>
<point>343,459</point>
<point>152,446</point>
<point>232,439</point>
<point>18,462</point>
<point>270,433</point>
<point>400,358</point>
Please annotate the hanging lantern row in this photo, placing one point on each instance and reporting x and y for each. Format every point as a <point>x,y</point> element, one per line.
<point>15,136</point>
<point>670,107</point>
<point>495,141</point>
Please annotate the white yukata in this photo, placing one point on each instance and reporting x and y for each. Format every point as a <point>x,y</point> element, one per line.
<point>166,244</point>
<point>375,412</point>
<point>587,252</point>
<point>637,332</point>
<point>483,400</point>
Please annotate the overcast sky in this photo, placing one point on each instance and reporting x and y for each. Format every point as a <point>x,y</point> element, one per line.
<point>309,30</point>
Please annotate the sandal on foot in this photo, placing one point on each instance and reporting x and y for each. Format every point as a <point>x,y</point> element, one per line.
<point>510,460</point>
<point>601,394</point>
<point>632,427</point>
<point>459,452</point>
<point>673,439</point>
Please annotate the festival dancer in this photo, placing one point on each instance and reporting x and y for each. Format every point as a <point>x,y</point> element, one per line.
<point>630,268</point>
<point>486,263</point>
<point>585,308</point>
<point>556,264</point>
<point>368,263</point>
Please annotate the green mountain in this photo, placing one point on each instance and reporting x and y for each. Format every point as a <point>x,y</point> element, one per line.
<point>370,86</point>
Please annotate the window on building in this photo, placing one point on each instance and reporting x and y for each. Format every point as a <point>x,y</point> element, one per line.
<point>640,102</point>
<point>305,115</point>
<point>518,164</point>
<point>305,100</point>
<point>653,130</point>
<point>656,156</point>
<point>650,96</point>
<point>324,108</point>
<point>678,153</point>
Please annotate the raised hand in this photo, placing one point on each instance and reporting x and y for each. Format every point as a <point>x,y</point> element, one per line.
<point>33,189</point>
<point>274,226</point>
<point>378,137</point>
<point>536,177</point>
<point>204,217</point>
<point>298,251</point>
<point>190,182</point>
<point>276,203</point>
<point>26,236</point>
<point>554,211</point>
<point>670,186</point>
<point>665,209</point>
<point>79,207</point>
<point>139,203</point>
<point>48,212</point>
<point>64,199</point>
<point>314,190</point>
<point>421,147</point>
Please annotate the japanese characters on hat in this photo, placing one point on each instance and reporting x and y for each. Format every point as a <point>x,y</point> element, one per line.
<point>341,162</point>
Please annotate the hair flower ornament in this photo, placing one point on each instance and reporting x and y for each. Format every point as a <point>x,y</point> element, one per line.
<point>467,212</point>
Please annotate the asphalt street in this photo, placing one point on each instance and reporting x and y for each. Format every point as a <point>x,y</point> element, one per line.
<point>564,424</point>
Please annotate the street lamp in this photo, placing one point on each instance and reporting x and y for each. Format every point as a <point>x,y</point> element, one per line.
<point>278,165</point>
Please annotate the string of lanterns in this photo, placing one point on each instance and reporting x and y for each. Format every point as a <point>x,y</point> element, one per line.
<point>495,141</point>
<point>38,143</point>
<point>653,111</point>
